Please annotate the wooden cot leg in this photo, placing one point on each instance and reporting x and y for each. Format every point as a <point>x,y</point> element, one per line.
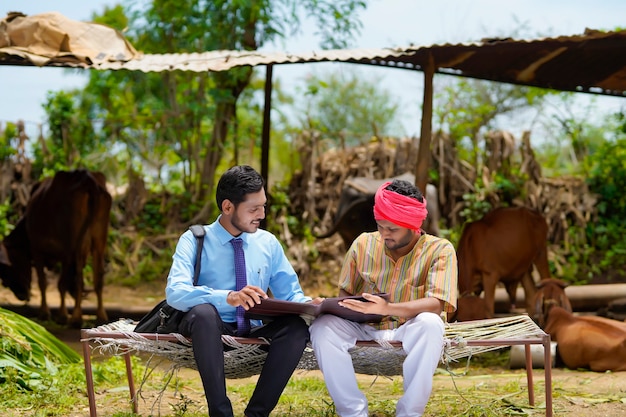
<point>547,366</point>
<point>131,382</point>
<point>89,377</point>
<point>529,374</point>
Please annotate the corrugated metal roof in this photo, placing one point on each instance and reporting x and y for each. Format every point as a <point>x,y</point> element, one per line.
<point>594,62</point>
<point>225,60</point>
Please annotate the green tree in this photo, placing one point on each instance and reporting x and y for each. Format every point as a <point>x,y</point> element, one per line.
<point>184,120</point>
<point>70,138</point>
<point>347,108</point>
<point>8,135</point>
<point>246,145</point>
<point>607,179</point>
<point>468,108</point>
<point>575,132</point>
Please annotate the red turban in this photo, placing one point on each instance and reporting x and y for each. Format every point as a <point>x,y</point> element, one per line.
<point>399,209</point>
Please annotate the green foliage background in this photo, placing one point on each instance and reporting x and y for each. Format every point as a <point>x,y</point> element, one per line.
<point>178,131</point>
<point>607,178</point>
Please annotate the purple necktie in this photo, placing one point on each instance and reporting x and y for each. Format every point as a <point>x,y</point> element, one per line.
<point>243,324</point>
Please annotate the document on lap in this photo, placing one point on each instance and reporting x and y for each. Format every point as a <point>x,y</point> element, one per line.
<point>270,307</point>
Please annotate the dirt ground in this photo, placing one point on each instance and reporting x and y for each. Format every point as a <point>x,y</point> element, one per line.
<point>577,393</point>
<point>581,394</point>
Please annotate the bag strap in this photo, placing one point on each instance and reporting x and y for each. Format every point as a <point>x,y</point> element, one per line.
<point>198,232</point>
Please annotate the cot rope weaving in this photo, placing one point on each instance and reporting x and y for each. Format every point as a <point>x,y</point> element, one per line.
<point>244,357</point>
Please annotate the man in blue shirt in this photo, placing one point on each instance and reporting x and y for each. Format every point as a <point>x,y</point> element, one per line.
<point>212,304</point>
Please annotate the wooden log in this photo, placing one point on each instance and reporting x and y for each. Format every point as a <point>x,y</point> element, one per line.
<point>583,297</point>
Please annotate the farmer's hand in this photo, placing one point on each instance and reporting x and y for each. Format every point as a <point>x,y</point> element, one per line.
<point>373,304</point>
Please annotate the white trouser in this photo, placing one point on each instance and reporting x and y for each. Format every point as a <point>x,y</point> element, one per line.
<point>422,340</point>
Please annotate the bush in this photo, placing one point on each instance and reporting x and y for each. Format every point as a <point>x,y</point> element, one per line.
<point>607,178</point>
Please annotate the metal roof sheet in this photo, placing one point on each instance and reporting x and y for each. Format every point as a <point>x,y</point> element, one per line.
<point>593,62</point>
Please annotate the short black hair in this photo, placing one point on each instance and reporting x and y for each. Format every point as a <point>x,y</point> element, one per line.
<point>236,183</point>
<point>406,188</point>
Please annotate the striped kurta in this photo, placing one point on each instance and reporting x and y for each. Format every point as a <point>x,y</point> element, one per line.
<point>429,270</point>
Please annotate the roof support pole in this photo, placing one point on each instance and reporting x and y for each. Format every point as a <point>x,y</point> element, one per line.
<point>423,151</point>
<point>265,133</point>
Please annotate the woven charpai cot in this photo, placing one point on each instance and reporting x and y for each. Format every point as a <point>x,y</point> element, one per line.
<point>244,357</point>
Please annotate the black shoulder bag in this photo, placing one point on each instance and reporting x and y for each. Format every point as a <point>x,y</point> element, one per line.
<point>164,318</point>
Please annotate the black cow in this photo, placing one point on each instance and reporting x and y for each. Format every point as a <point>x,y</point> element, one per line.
<point>66,220</point>
<point>355,210</point>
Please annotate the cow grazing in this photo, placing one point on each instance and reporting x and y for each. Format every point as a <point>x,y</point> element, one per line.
<point>355,210</point>
<point>594,343</point>
<point>550,292</point>
<point>502,247</point>
<point>66,220</point>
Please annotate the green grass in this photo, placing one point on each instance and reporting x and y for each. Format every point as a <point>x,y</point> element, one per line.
<point>486,389</point>
<point>58,393</point>
<point>63,393</point>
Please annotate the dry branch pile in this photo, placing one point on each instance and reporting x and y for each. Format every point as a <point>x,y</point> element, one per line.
<point>314,192</point>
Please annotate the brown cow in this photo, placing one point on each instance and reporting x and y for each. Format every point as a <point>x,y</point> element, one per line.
<point>470,307</point>
<point>66,220</point>
<point>594,343</point>
<point>502,247</point>
<point>550,292</point>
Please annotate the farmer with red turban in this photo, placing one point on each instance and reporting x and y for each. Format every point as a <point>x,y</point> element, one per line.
<point>419,273</point>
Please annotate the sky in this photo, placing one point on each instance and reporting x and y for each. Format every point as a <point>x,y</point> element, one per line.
<point>386,23</point>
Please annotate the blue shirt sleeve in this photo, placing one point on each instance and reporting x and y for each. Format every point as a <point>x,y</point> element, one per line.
<point>266,267</point>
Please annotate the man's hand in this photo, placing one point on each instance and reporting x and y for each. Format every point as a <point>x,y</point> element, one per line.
<point>316,300</point>
<point>373,305</point>
<point>247,297</point>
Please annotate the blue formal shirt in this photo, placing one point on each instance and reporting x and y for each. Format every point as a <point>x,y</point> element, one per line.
<point>266,267</point>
